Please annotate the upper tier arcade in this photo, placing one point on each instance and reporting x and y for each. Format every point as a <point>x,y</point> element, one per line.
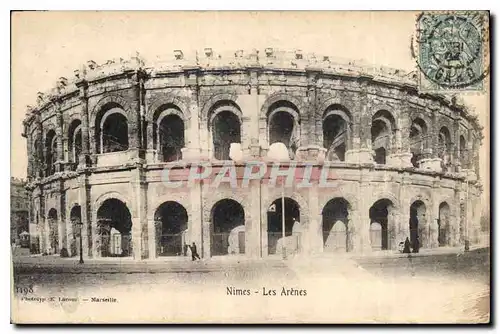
<point>349,113</point>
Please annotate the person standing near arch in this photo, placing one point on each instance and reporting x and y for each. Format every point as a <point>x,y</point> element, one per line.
<point>194,252</point>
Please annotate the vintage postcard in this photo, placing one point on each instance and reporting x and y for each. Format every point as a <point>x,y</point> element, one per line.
<point>250,167</point>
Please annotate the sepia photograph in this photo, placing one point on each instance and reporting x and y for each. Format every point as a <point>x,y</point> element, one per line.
<point>250,167</point>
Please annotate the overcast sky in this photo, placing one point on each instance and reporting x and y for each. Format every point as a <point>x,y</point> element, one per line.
<point>46,46</point>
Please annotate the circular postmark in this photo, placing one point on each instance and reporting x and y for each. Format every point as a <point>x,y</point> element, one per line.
<point>451,50</point>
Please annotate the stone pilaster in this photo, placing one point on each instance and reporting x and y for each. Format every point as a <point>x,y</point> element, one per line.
<point>432,220</point>
<point>455,219</point>
<point>39,164</point>
<point>312,239</point>
<point>72,245</point>
<point>404,208</point>
<point>455,144</point>
<point>84,159</point>
<point>264,194</point>
<point>361,221</point>
<point>151,156</point>
<point>139,214</point>
<point>84,202</point>
<point>42,223</point>
<point>196,220</point>
<point>361,151</point>
<point>401,156</point>
<point>59,135</point>
<point>192,151</point>
<point>29,145</point>
<point>252,221</point>
<point>431,161</point>
<point>63,236</point>
<point>152,239</point>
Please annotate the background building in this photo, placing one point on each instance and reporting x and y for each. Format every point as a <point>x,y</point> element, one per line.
<point>19,203</point>
<point>404,163</point>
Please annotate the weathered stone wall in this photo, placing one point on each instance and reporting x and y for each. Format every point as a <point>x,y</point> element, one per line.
<point>251,87</point>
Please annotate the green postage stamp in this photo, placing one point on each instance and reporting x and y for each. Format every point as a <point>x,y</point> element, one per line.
<point>452,50</point>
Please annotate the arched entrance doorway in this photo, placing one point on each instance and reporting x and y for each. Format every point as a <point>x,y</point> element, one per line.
<point>76,228</point>
<point>112,130</point>
<point>335,226</point>
<point>444,225</point>
<point>170,138</point>
<point>53,231</point>
<point>114,226</point>
<point>292,227</point>
<point>226,130</point>
<point>228,228</point>
<point>381,228</point>
<point>284,125</point>
<point>336,134</point>
<point>418,234</point>
<point>171,223</point>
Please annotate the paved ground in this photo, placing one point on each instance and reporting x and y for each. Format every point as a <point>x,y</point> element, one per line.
<point>440,287</point>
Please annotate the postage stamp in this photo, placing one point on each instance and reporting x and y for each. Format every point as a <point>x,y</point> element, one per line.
<point>452,51</point>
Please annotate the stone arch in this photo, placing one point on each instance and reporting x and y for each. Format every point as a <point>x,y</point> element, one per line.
<point>336,217</point>
<point>419,139</point>
<point>223,105</point>
<point>165,110</point>
<point>383,134</point>
<point>113,225</point>
<point>444,224</point>
<point>383,223</point>
<point>350,198</point>
<point>277,97</point>
<point>419,223</point>
<point>70,119</point>
<point>119,129</point>
<point>105,102</point>
<point>74,213</point>
<point>378,107</point>
<point>53,229</point>
<point>169,197</point>
<point>225,126</point>
<point>332,101</point>
<point>423,198</point>
<point>169,137</point>
<point>283,124</point>
<point>211,201</point>
<point>387,195</point>
<point>111,111</point>
<point>303,204</point>
<point>111,195</point>
<point>214,99</point>
<point>51,150</point>
<point>338,109</point>
<point>171,223</point>
<point>157,103</point>
<point>47,127</point>
<point>336,131</point>
<point>463,151</point>
<point>75,137</point>
<point>36,152</point>
<point>387,116</point>
<point>445,148</point>
<point>227,227</point>
<point>284,232</point>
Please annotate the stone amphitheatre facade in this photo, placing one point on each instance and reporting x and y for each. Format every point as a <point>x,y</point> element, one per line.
<point>404,163</point>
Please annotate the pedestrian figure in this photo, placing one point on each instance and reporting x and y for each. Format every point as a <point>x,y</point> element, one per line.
<point>416,245</point>
<point>194,252</point>
<point>185,249</point>
<point>406,248</point>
